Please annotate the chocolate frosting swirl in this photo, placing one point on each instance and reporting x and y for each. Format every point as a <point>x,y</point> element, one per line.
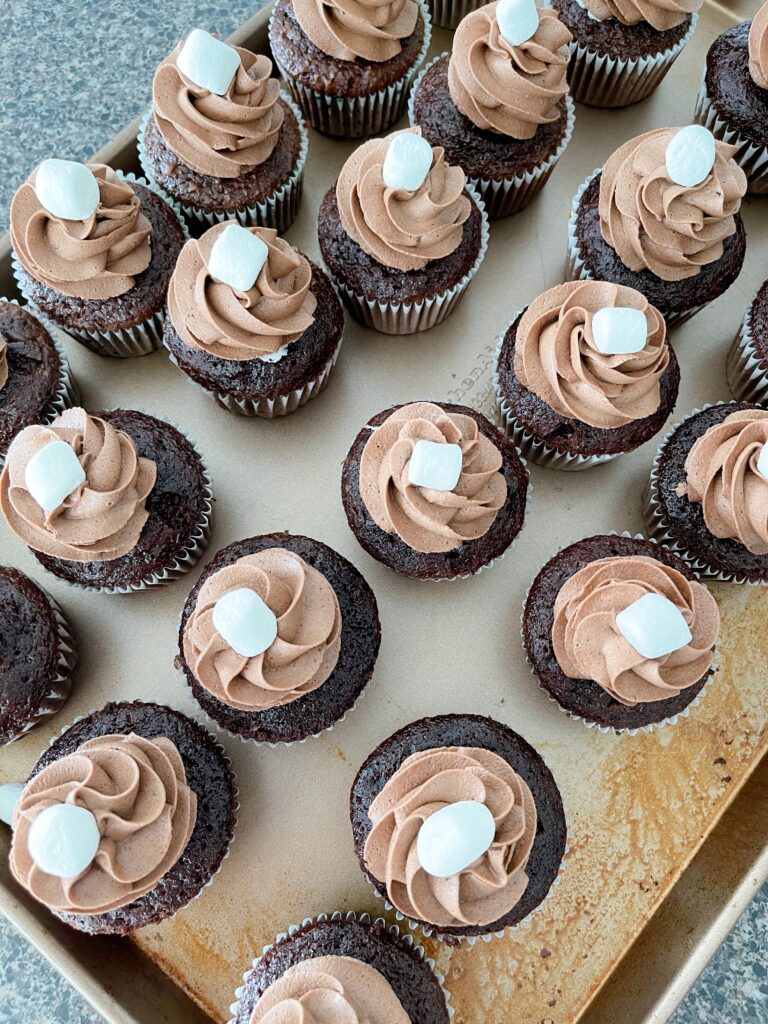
<point>258,324</point>
<point>3,362</point>
<point>221,136</point>
<point>103,518</point>
<point>347,29</point>
<point>722,476</point>
<point>758,48</point>
<point>588,644</point>
<point>424,783</point>
<point>509,89</point>
<point>305,651</point>
<point>428,520</point>
<point>402,229</point>
<point>556,357</point>
<point>654,224</point>
<point>137,790</point>
<point>321,989</point>
<point>95,258</point>
<point>660,14</point>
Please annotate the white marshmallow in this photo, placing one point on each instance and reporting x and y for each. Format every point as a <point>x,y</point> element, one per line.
<point>237,257</point>
<point>9,797</point>
<point>690,155</point>
<point>619,330</point>
<point>762,461</point>
<point>245,622</point>
<point>653,626</point>
<point>63,840</point>
<point>454,837</point>
<point>407,162</point>
<point>67,189</point>
<point>208,62</point>
<point>52,474</point>
<point>517,20</point>
<point>435,465</point>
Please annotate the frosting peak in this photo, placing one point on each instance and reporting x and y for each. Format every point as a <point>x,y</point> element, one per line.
<point>758,48</point>
<point>509,89</point>
<point>347,29</point>
<point>660,14</point>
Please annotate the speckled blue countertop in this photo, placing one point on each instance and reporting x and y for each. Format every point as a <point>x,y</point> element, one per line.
<point>64,90</point>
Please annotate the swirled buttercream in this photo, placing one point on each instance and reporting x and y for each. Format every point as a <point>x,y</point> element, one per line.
<point>660,14</point>
<point>347,29</point>
<point>758,48</point>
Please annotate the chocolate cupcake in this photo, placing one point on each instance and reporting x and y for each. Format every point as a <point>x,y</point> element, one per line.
<point>93,251</point>
<point>402,234</point>
<point>220,138</point>
<point>252,321</point>
<point>349,66</point>
<point>708,494</point>
<point>584,374</point>
<point>747,362</point>
<point>620,634</point>
<point>110,501</point>
<point>278,638</point>
<point>176,822</point>
<point>622,49</point>
<point>733,98</point>
<point>376,975</point>
<point>498,103</point>
<point>476,815</point>
<point>35,382</point>
<point>433,490</point>
<point>37,655</point>
<point>662,217</point>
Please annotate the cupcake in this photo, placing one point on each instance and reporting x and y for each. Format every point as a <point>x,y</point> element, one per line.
<point>252,321</point>
<point>733,98</point>
<point>708,495</point>
<point>35,382</point>
<point>402,234</point>
<point>498,104</point>
<point>176,819</point>
<point>434,491</point>
<point>93,251</point>
<point>459,825</point>
<point>349,66</point>
<point>622,49</point>
<point>662,217</point>
<point>37,655</point>
<point>747,362</point>
<point>110,501</point>
<point>584,374</point>
<point>220,138</point>
<point>278,638</point>
<point>620,634</point>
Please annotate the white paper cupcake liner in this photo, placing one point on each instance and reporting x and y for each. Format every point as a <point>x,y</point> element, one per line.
<point>349,915</point>
<point>355,117</point>
<point>277,211</point>
<point>747,374</point>
<point>448,13</point>
<point>752,158</point>
<point>599,80</point>
<point>504,196</point>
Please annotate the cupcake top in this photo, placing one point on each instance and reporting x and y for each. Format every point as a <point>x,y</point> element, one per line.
<point>216,106</point>
<point>98,828</point>
<point>241,293</point>
<point>504,83</point>
<point>79,230</point>
<point>594,352</point>
<point>668,200</point>
<point>351,29</point>
<point>452,830</point>
<point>636,627</point>
<point>401,202</point>
<point>660,14</point>
<point>432,478</point>
<point>726,472</point>
<point>758,48</point>
<point>265,630</point>
<point>76,489</point>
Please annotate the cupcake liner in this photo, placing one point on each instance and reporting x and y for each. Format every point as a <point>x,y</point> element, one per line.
<point>752,158</point>
<point>448,13</point>
<point>747,374</point>
<point>412,318</point>
<point>349,915</point>
<point>125,342</point>
<point>277,211</point>
<point>599,80</point>
<point>504,196</point>
<point>355,117</point>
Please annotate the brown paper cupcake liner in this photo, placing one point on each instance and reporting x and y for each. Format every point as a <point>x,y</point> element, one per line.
<point>448,13</point>
<point>752,158</point>
<point>746,372</point>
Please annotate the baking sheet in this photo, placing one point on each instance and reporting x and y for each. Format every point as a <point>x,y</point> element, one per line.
<point>639,807</point>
